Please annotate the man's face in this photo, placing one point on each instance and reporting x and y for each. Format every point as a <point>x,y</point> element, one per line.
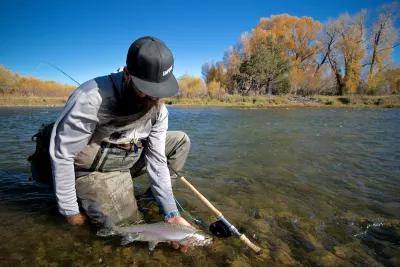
<point>140,93</point>
<point>134,95</point>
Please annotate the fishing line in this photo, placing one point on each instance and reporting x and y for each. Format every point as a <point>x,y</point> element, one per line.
<point>195,220</point>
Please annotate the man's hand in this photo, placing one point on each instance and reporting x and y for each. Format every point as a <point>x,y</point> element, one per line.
<point>179,220</point>
<point>77,219</point>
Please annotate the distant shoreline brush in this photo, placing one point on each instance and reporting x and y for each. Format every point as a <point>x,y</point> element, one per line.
<point>14,84</point>
<point>235,101</point>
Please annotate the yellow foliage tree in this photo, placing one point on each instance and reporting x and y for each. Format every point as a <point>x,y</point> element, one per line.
<point>343,42</point>
<point>233,60</point>
<point>192,86</point>
<point>297,36</point>
<point>386,82</point>
<point>215,90</point>
<point>213,72</point>
<point>7,80</point>
<point>382,40</point>
<point>352,48</point>
<point>11,83</point>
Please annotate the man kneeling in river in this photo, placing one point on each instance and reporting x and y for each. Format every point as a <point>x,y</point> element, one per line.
<point>110,129</point>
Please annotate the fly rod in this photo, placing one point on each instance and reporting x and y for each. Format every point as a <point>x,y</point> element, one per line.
<point>63,72</point>
<point>219,214</point>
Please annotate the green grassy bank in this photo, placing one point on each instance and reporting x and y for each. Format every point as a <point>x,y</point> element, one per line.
<point>390,101</point>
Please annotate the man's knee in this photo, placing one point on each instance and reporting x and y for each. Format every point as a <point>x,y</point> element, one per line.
<point>183,145</point>
<point>176,140</point>
<point>185,140</point>
<point>177,149</point>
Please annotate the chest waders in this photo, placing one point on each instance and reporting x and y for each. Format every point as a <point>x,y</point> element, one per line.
<point>115,144</point>
<point>104,184</point>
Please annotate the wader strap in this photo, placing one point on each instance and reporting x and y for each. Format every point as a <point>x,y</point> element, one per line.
<point>116,93</point>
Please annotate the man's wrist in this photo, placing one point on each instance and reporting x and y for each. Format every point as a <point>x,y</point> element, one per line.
<point>171,214</point>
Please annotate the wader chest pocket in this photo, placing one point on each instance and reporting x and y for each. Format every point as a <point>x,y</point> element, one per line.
<point>111,157</point>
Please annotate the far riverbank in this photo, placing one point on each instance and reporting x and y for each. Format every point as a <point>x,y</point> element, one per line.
<point>357,101</point>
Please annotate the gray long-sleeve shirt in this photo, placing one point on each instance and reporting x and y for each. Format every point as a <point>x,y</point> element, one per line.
<point>87,109</point>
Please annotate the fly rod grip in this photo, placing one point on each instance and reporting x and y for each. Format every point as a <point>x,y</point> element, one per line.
<point>250,244</point>
<point>216,212</point>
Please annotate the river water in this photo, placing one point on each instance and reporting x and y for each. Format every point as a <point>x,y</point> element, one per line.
<point>310,186</point>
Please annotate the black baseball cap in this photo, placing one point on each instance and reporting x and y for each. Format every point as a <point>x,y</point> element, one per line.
<point>150,64</point>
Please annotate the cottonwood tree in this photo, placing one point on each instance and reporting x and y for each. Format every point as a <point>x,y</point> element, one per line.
<point>7,80</point>
<point>213,72</point>
<point>297,36</point>
<point>191,86</point>
<point>232,60</point>
<point>388,81</point>
<point>215,90</point>
<point>265,70</point>
<point>343,48</point>
<point>381,41</point>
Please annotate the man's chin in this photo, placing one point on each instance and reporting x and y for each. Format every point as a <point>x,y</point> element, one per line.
<point>135,103</point>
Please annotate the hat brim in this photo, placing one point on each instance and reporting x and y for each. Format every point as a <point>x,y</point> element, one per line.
<point>166,88</point>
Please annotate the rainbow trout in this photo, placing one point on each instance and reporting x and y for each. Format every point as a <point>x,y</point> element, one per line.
<point>158,232</point>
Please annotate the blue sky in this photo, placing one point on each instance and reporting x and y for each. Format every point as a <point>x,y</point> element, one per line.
<point>90,38</point>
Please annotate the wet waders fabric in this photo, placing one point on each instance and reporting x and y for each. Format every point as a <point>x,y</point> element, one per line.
<point>109,196</point>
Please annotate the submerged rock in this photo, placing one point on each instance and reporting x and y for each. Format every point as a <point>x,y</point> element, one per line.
<point>325,258</point>
<point>353,253</point>
<point>240,261</point>
<point>281,254</point>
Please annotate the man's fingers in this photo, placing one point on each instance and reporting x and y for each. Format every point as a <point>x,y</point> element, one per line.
<point>175,245</point>
<point>184,249</point>
<point>77,219</point>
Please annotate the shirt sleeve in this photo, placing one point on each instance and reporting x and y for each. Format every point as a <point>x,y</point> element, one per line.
<point>156,164</point>
<point>71,133</point>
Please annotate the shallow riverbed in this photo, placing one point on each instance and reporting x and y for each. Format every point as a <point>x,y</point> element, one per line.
<point>311,186</point>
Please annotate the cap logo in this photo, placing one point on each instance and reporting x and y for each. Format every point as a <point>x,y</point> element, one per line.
<point>165,72</point>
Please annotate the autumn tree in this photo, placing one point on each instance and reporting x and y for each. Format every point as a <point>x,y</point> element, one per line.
<point>7,80</point>
<point>387,82</point>
<point>215,90</point>
<point>213,72</point>
<point>264,70</point>
<point>232,61</point>
<point>381,41</point>
<point>297,36</point>
<point>343,48</point>
<point>191,86</point>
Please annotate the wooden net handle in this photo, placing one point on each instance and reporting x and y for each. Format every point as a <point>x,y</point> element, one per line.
<point>205,201</point>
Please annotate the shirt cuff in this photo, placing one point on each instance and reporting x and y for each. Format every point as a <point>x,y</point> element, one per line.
<point>69,211</point>
<point>171,214</point>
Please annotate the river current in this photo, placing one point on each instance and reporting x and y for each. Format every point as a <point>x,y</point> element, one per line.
<point>310,186</point>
